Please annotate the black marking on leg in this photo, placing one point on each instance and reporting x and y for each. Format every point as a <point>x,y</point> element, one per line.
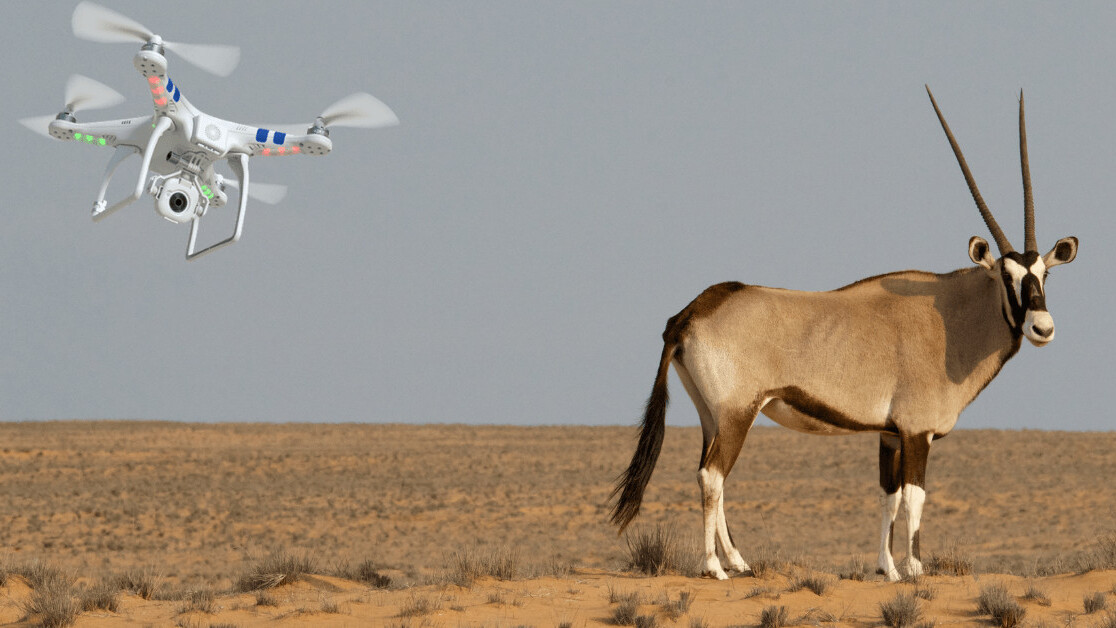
<point>891,538</point>
<point>915,550</point>
<point>890,468</point>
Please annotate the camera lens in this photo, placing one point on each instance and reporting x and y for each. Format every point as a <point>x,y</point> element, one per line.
<point>178,202</point>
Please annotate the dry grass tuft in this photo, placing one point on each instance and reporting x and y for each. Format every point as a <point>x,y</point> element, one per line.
<point>366,572</point>
<point>656,552</point>
<point>263,598</point>
<point>38,574</point>
<point>857,570</point>
<point>995,600</point>
<point>52,602</point>
<point>468,565</point>
<point>1036,595</point>
<point>1094,602</point>
<point>200,601</point>
<point>627,607</point>
<point>104,595</point>
<point>143,582</point>
<point>677,608</point>
<point>774,617</point>
<point>818,584</point>
<point>277,569</point>
<point>419,606</point>
<point>950,563</point>
<point>901,610</point>
<point>1109,621</point>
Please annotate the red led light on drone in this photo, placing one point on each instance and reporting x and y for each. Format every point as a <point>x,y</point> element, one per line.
<point>158,89</point>
<point>160,102</point>
<point>153,79</point>
<point>295,150</point>
<point>266,151</point>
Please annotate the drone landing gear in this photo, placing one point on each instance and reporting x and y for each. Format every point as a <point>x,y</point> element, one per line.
<point>239,165</point>
<point>162,125</point>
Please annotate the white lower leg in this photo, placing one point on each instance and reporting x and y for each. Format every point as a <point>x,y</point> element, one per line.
<point>913,498</point>
<point>711,485</point>
<point>732,555</point>
<point>889,504</point>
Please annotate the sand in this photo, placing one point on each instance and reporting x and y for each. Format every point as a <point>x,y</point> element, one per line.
<point>201,505</point>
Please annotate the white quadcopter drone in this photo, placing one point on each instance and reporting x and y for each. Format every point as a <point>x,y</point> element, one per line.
<point>178,143</point>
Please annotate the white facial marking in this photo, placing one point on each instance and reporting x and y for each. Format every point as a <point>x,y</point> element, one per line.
<point>1017,273</point>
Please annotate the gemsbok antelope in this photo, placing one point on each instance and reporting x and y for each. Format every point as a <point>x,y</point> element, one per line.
<point>901,354</point>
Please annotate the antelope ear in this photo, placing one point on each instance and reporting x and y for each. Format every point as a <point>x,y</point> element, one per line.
<point>978,252</point>
<point>1063,252</point>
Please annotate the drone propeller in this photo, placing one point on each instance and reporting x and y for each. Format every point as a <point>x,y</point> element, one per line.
<point>94,22</point>
<point>82,94</point>
<point>270,193</point>
<point>359,110</point>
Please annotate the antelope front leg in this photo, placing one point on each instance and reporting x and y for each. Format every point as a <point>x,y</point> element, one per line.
<point>916,450</point>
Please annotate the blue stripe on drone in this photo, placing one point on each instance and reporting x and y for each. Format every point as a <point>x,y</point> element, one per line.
<point>279,138</point>
<point>261,135</point>
<point>170,85</point>
<point>177,94</point>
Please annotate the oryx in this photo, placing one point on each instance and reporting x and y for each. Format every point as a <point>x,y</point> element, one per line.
<point>901,354</point>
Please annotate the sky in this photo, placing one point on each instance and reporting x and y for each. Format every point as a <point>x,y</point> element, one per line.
<point>566,176</point>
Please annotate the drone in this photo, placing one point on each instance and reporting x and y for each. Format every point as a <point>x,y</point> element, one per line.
<point>179,144</point>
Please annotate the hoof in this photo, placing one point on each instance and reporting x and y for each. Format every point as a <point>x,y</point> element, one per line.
<point>719,574</point>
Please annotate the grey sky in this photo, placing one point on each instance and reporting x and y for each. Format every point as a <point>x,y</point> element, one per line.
<point>566,176</point>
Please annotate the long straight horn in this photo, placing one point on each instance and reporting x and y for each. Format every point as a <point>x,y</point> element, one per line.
<point>1028,200</point>
<point>997,233</point>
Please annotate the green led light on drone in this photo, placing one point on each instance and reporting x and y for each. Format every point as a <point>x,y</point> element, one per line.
<point>89,138</point>
<point>77,136</point>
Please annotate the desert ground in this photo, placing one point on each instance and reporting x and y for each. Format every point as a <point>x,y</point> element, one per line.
<point>173,524</point>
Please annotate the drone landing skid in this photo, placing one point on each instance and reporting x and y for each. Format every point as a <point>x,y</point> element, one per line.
<point>239,165</point>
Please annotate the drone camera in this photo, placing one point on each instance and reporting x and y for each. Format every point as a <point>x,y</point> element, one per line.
<point>177,201</point>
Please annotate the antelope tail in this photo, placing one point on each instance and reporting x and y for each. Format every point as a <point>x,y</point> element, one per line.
<point>631,484</point>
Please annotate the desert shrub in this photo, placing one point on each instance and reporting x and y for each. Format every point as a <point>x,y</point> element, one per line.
<point>1094,602</point>
<point>995,600</point>
<point>201,601</point>
<point>467,565</point>
<point>104,595</point>
<point>901,610</point>
<point>277,569</point>
<point>815,583</point>
<point>143,582</point>
<point>646,621</point>
<point>263,598</point>
<point>655,552</point>
<point>418,606</point>
<point>698,622</point>
<point>950,563</point>
<point>677,608</point>
<point>1036,595</point>
<point>52,602</point>
<point>774,617</point>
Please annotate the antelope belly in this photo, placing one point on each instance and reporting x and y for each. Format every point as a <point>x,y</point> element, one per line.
<point>784,414</point>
